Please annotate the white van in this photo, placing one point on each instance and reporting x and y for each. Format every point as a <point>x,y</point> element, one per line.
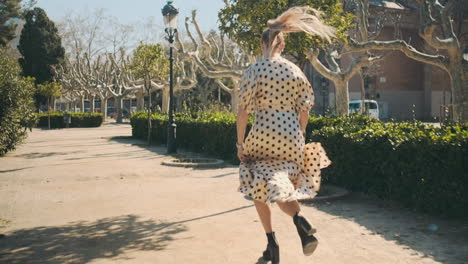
<point>371,105</point>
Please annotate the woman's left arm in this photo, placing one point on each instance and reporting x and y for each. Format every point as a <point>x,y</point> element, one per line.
<point>303,118</point>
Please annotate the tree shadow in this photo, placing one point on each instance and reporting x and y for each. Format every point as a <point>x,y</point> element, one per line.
<point>82,242</point>
<point>12,170</point>
<point>114,123</point>
<point>128,155</point>
<point>157,149</point>
<point>162,151</point>
<point>444,240</point>
<point>38,155</point>
<point>225,174</point>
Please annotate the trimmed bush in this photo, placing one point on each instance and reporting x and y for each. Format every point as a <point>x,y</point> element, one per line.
<point>420,166</point>
<point>417,165</point>
<point>212,133</point>
<point>77,120</point>
<point>16,103</point>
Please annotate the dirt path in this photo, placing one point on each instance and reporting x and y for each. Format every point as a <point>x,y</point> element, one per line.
<point>84,196</point>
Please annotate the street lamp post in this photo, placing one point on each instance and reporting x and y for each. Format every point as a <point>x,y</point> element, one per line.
<point>148,88</point>
<point>169,13</point>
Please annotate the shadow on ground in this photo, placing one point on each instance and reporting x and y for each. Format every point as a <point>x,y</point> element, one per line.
<point>12,170</point>
<point>82,242</point>
<point>161,149</point>
<point>37,155</point>
<point>448,244</point>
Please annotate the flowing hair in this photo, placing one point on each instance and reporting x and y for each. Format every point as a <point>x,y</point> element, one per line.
<point>296,19</point>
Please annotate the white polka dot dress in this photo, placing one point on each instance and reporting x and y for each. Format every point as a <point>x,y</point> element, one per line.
<point>280,165</point>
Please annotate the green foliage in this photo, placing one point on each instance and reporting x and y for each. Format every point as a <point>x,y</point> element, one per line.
<point>417,165</point>
<point>149,62</point>
<point>244,22</point>
<point>9,10</point>
<point>16,103</point>
<point>77,120</point>
<point>207,132</point>
<point>420,166</point>
<point>40,45</point>
<point>50,89</point>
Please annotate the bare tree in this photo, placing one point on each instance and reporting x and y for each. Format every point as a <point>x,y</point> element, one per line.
<point>332,69</point>
<point>339,77</point>
<point>212,59</point>
<point>83,33</point>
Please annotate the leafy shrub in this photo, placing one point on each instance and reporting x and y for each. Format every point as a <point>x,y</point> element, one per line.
<point>16,103</point>
<point>77,120</point>
<point>420,166</point>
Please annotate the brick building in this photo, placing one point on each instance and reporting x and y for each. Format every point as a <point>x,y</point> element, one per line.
<point>399,84</point>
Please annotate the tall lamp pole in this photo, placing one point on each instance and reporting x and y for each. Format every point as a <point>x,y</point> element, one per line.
<point>169,13</point>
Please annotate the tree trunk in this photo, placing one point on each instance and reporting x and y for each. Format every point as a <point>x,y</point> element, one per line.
<point>165,100</point>
<point>140,100</point>
<point>53,104</point>
<point>459,94</point>
<point>82,103</point>
<point>93,99</point>
<point>48,110</point>
<point>235,98</point>
<point>363,108</point>
<point>104,107</point>
<point>149,119</point>
<point>118,108</point>
<point>341,97</point>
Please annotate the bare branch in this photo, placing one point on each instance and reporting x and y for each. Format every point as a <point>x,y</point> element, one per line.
<point>436,60</point>
<point>324,71</point>
<point>356,66</point>
<point>223,86</point>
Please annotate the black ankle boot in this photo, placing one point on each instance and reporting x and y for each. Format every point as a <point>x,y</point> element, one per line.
<point>306,233</point>
<point>272,250</point>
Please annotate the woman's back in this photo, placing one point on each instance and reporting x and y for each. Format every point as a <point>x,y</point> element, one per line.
<point>275,89</point>
<point>275,84</point>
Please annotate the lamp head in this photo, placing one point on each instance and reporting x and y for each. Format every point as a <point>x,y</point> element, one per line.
<point>170,13</point>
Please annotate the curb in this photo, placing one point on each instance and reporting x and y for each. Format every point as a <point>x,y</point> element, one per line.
<point>194,163</point>
<point>340,193</point>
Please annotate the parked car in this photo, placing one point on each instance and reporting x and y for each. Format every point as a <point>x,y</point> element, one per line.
<point>371,105</point>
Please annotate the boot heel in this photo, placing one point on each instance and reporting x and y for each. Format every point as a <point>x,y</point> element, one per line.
<point>266,255</point>
<point>310,246</point>
<point>272,251</point>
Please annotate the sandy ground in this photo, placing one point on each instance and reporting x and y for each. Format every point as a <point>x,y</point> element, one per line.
<point>88,196</point>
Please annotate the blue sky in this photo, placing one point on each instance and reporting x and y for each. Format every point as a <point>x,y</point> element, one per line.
<point>136,10</point>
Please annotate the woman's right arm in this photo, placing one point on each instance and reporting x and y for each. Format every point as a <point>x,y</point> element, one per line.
<point>247,90</point>
<point>242,117</point>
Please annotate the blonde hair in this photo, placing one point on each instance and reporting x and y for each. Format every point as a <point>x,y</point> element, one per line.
<point>296,19</point>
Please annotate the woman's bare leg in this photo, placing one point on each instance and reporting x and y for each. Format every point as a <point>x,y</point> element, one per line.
<point>264,213</point>
<point>290,208</point>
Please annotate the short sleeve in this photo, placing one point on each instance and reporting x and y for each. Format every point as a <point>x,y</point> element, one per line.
<point>248,85</point>
<point>305,97</point>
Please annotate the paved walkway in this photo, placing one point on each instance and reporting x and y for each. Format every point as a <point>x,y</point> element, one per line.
<point>88,196</point>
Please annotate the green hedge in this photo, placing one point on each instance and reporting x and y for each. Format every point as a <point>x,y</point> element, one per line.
<point>77,120</point>
<point>420,166</point>
<point>194,132</point>
<point>16,103</point>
